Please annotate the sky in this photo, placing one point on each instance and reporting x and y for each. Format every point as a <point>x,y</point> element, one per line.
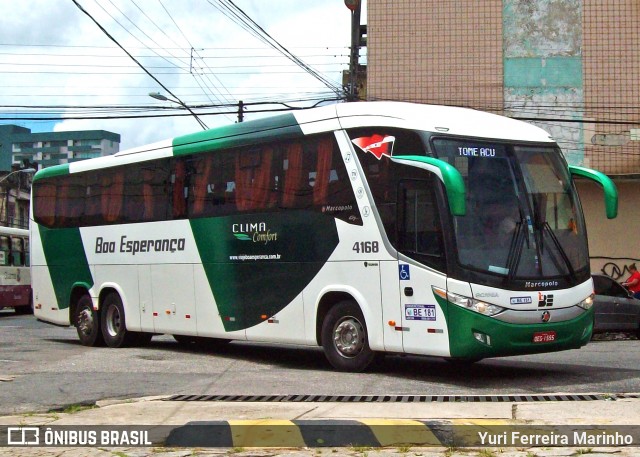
<point>56,62</point>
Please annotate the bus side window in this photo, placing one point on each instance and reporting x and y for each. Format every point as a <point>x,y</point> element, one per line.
<point>17,252</point>
<point>93,199</point>
<point>419,229</point>
<point>71,200</point>
<point>155,176</point>
<point>4,250</point>
<point>253,178</point>
<point>27,252</point>
<point>323,171</point>
<point>112,183</point>
<point>133,198</point>
<point>45,202</point>
<point>201,195</point>
<point>293,176</point>
<point>179,190</point>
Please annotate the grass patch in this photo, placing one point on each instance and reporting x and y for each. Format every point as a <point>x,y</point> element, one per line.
<point>73,409</point>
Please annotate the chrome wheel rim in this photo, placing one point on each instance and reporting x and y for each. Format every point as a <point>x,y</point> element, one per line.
<point>113,321</point>
<point>85,321</point>
<point>348,337</point>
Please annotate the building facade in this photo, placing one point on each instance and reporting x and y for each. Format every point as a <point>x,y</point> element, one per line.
<point>53,148</point>
<point>569,66</point>
<point>22,149</point>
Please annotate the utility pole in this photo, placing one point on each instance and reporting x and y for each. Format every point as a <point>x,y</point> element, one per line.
<point>354,6</point>
<point>240,111</point>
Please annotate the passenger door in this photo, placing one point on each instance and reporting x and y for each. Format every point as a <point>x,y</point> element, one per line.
<point>419,240</point>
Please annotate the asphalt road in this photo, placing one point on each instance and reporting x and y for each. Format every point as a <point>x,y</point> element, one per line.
<point>43,367</point>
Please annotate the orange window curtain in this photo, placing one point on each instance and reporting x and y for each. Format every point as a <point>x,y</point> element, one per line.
<point>147,194</point>
<point>203,174</point>
<point>62,210</point>
<point>262,180</point>
<point>112,191</point>
<point>46,203</point>
<point>243,186</point>
<point>294,175</point>
<point>323,172</point>
<point>179,202</point>
<point>92,204</point>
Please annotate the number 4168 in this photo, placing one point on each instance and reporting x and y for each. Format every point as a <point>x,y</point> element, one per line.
<point>366,247</point>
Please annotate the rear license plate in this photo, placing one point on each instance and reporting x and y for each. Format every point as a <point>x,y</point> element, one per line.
<point>544,337</point>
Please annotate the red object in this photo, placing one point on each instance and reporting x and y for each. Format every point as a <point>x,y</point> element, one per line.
<point>544,337</point>
<point>636,287</point>
<point>12,296</point>
<point>377,145</point>
<point>352,4</point>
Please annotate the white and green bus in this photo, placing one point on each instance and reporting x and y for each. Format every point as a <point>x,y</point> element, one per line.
<point>364,228</point>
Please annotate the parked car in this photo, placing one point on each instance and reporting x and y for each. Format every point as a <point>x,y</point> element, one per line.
<point>615,309</point>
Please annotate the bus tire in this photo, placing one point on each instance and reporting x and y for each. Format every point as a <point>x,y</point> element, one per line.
<point>344,338</point>
<point>114,327</point>
<point>87,322</point>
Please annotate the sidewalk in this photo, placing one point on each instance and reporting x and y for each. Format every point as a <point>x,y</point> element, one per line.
<point>265,424</point>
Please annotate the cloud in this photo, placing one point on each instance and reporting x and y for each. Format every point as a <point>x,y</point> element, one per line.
<point>76,64</point>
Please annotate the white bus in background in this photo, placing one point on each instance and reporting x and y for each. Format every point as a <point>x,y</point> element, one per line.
<point>15,273</point>
<point>364,228</point>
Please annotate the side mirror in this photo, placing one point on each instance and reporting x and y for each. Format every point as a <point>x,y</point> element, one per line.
<point>610,190</point>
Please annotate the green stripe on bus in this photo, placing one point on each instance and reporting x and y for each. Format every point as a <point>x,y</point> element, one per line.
<point>510,339</point>
<point>282,127</point>
<point>49,172</point>
<point>256,264</point>
<point>66,260</point>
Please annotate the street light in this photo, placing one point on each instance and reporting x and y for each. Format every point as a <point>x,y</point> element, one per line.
<point>164,98</point>
<point>22,170</point>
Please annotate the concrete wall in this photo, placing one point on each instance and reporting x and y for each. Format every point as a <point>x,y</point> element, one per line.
<point>559,59</point>
<point>441,52</point>
<point>543,68</point>
<point>613,243</point>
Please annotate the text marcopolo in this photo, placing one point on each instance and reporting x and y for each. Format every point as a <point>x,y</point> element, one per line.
<point>132,247</point>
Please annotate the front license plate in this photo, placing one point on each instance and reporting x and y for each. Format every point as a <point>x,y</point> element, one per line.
<point>544,337</point>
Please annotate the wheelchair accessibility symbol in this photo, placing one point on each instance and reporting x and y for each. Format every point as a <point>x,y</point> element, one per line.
<point>404,272</point>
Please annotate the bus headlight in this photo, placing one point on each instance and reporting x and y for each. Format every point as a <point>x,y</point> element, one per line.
<point>469,303</point>
<point>587,303</point>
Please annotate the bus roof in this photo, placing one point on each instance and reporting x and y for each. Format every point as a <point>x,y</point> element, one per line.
<point>444,119</point>
<point>431,118</point>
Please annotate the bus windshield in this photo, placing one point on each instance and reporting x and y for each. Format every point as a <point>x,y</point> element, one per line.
<point>522,218</point>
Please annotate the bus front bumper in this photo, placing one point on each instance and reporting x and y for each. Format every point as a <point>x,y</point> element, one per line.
<point>475,336</point>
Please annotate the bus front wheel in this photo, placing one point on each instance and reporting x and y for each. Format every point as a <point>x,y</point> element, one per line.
<point>114,328</point>
<point>87,322</point>
<point>344,338</point>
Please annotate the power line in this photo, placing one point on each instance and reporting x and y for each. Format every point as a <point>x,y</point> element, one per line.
<point>237,15</point>
<point>192,50</point>
<point>139,64</point>
<point>127,30</point>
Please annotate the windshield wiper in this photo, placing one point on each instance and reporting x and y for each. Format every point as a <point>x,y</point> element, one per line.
<point>515,249</point>
<point>546,227</point>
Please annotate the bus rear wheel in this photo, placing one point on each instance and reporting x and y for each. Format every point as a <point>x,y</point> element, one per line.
<point>87,322</point>
<point>114,328</point>
<point>344,338</point>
